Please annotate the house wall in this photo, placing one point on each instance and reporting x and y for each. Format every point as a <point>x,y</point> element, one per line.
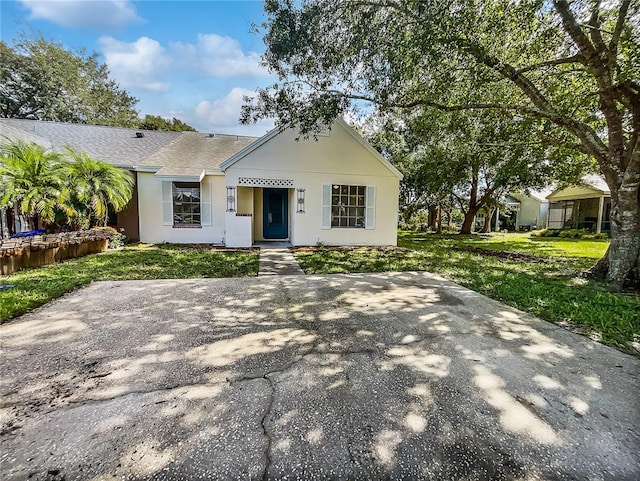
<point>532,212</point>
<point>334,159</point>
<point>128,221</point>
<point>244,200</point>
<point>152,229</point>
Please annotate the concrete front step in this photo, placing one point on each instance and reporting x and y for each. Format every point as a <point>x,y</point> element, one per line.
<point>278,261</point>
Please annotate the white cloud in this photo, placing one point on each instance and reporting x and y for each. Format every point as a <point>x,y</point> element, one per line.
<point>106,15</point>
<point>223,57</point>
<point>217,56</point>
<point>221,115</point>
<point>141,64</point>
<point>145,63</point>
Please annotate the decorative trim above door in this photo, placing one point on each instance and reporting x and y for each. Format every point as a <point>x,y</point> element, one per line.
<point>260,182</point>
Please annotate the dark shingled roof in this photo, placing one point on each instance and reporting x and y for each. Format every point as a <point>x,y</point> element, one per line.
<point>193,152</point>
<point>117,146</point>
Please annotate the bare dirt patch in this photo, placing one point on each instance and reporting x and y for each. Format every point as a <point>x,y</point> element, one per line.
<point>384,249</point>
<point>506,255</point>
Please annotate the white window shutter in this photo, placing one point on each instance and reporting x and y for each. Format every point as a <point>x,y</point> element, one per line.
<point>370,215</point>
<point>205,202</point>
<point>167,203</point>
<point>326,207</point>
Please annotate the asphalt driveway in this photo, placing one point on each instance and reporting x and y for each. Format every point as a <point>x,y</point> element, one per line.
<point>372,376</point>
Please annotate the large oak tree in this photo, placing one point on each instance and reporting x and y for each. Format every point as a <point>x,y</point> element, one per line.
<point>42,80</point>
<point>475,157</point>
<point>573,65</point>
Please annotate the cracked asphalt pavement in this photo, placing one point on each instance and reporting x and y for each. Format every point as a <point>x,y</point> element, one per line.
<point>360,376</point>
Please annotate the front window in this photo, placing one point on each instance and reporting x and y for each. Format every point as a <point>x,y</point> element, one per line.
<point>186,203</point>
<point>347,206</point>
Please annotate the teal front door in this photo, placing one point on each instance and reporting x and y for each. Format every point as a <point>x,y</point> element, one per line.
<point>275,224</point>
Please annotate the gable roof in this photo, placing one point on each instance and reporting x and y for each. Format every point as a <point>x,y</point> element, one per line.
<point>597,182</point>
<point>538,195</point>
<point>114,145</point>
<point>591,183</point>
<point>192,153</point>
<point>273,133</point>
<point>168,154</point>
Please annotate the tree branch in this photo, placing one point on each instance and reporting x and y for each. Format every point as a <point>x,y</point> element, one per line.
<point>460,201</point>
<point>592,144</point>
<point>617,31</point>
<point>603,74</point>
<point>575,32</point>
<point>578,58</point>
<point>594,26</point>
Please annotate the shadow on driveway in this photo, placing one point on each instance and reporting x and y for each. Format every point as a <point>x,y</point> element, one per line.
<point>361,376</point>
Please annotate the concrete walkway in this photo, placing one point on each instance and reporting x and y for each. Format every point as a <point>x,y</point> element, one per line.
<point>395,376</point>
<point>277,260</point>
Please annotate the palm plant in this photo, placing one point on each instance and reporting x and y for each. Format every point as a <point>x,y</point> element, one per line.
<point>94,186</point>
<point>30,180</point>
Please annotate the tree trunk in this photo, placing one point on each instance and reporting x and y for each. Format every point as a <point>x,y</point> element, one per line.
<point>439,221</point>
<point>23,222</point>
<point>624,251</point>
<point>487,221</point>
<point>467,223</point>
<point>474,206</point>
<point>431,218</point>
<point>448,216</point>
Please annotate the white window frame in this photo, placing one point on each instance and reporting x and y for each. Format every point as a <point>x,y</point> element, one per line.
<point>368,207</point>
<point>168,204</point>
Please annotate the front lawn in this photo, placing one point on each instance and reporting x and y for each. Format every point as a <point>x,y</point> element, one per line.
<point>537,275</point>
<point>35,287</point>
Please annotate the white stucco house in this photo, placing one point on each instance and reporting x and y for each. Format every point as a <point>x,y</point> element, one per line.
<point>193,187</point>
<point>336,190</point>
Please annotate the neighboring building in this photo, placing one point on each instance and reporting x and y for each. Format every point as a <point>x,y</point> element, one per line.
<point>520,212</point>
<point>526,211</point>
<point>117,146</point>
<point>581,207</point>
<point>233,190</point>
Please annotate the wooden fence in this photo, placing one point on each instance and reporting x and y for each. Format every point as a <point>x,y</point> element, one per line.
<point>41,250</point>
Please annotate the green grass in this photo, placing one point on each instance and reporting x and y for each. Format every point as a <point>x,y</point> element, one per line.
<point>34,287</point>
<point>551,289</point>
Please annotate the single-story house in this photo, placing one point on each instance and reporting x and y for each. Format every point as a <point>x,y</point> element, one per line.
<point>527,211</point>
<point>587,206</point>
<point>193,187</point>
<point>520,212</point>
<point>117,146</point>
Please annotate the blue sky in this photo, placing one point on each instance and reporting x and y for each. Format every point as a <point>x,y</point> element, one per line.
<point>188,59</point>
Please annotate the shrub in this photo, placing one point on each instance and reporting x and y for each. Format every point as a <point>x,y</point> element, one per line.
<point>574,233</point>
<point>570,234</point>
<point>116,239</point>
<point>450,230</point>
<point>546,233</point>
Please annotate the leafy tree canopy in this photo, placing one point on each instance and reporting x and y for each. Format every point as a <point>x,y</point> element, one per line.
<point>573,65</point>
<point>41,80</point>
<point>154,122</point>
